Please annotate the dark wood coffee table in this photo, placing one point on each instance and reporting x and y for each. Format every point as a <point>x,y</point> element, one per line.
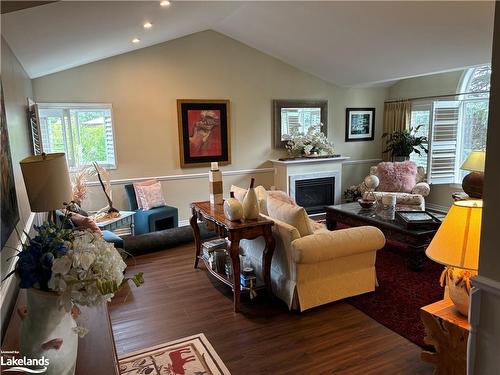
<point>353,215</point>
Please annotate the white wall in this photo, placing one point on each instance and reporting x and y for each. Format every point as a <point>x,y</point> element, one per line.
<point>431,85</point>
<point>143,87</point>
<point>486,303</point>
<point>16,88</point>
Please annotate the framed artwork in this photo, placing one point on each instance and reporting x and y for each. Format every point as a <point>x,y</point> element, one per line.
<point>359,124</point>
<point>299,115</point>
<point>204,132</point>
<point>8,201</point>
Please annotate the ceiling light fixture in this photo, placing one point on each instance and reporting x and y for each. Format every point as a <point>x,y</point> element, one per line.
<point>136,40</point>
<point>148,25</point>
<point>165,3</point>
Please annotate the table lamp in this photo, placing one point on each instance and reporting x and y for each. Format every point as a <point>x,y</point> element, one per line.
<point>47,182</point>
<point>473,182</point>
<point>456,245</point>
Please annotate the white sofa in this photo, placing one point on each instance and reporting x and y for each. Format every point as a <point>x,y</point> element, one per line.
<point>318,266</point>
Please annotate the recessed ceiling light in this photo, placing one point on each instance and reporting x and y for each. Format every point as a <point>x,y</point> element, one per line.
<point>136,40</point>
<point>165,3</point>
<point>148,25</point>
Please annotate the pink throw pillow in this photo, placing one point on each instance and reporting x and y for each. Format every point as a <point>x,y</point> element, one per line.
<point>397,176</point>
<point>139,196</point>
<point>84,222</point>
<point>150,196</point>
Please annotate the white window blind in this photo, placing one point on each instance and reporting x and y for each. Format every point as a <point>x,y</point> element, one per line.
<point>83,131</point>
<point>444,142</point>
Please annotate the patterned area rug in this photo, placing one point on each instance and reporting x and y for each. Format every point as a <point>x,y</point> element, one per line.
<point>401,293</point>
<point>191,355</point>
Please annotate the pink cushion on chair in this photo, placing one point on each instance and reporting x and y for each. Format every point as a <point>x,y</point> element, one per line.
<point>139,196</point>
<point>149,195</point>
<point>397,176</point>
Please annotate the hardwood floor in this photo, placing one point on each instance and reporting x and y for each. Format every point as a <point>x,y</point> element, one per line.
<point>265,338</point>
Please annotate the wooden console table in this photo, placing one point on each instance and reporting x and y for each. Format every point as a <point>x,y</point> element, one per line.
<point>96,351</point>
<point>214,219</point>
<point>447,331</point>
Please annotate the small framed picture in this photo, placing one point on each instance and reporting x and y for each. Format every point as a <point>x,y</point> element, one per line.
<point>359,124</point>
<point>204,134</point>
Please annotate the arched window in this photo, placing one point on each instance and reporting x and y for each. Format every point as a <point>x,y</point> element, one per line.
<point>474,117</point>
<point>454,126</point>
<point>475,82</point>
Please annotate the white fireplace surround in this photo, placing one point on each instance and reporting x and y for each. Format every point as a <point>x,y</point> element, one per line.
<point>287,172</point>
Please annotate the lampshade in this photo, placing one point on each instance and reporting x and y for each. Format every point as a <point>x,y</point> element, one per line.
<point>47,181</point>
<point>456,243</point>
<point>474,162</point>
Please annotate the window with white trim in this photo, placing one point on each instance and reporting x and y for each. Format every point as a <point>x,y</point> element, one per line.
<point>454,126</point>
<point>81,130</point>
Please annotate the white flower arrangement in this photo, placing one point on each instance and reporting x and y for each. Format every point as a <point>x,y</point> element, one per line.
<point>313,142</point>
<point>90,272</point>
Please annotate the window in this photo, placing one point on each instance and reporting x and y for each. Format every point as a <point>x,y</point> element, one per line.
<point>455,126</point>
<point>83,131</point>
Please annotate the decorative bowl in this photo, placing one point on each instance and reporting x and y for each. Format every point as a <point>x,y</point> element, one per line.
<point>364,203</point>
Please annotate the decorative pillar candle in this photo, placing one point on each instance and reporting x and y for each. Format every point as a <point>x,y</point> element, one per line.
<point>215,182</point>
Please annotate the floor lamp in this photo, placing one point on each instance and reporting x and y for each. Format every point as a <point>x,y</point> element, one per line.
<point>47,182</point>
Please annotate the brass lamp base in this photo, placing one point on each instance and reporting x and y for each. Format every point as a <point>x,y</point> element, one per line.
<point>473,184</point>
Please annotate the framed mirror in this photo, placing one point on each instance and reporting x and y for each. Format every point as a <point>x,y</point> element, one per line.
<point>299,115</point>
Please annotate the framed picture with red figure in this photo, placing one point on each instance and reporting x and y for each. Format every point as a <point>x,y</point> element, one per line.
<point>204,132</point>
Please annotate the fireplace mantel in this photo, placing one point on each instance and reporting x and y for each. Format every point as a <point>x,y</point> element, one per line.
<point>288,172</point>
<point>309,161</point>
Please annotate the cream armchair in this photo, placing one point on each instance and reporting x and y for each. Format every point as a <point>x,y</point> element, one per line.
<point>322,267</point>
<point>414,200</point>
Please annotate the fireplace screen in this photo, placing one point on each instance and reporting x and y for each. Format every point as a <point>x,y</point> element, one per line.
<point>315,193</point>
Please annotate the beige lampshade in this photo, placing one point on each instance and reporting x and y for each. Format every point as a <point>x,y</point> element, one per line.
<point>456,243</point>
<point>47,182</point>
<point>475,161</point>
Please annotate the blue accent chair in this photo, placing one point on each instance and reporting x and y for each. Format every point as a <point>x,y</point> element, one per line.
<point>108,236</point>
<point>153,220</point>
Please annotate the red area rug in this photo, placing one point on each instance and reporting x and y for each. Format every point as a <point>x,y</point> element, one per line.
<point>401,293</point>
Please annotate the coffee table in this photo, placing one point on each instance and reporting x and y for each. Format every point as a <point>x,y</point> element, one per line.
<point>353,215</point>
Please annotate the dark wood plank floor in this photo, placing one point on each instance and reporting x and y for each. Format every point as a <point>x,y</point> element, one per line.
<point>265,338</point>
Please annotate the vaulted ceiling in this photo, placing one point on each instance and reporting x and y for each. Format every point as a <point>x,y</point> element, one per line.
<point>348,43</point>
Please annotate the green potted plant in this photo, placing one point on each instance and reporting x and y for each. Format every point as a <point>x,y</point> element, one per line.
<point>402,143</point>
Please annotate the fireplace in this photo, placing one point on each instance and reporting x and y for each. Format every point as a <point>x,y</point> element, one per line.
<point>313,192</point>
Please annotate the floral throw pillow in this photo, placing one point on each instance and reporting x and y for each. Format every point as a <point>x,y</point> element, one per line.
<point>149,195</point>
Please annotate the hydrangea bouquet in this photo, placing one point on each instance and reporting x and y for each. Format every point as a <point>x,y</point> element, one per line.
<point>312,142</point>
<point>79,265</point>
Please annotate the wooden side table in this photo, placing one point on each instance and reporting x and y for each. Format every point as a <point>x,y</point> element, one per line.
<point>126,219</point>
<point>447,331</point>
<point>213,217</point>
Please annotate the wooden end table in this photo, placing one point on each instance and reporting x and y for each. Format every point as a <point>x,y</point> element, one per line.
<point>447,332</point>
<point>353,215</point>
<point>213,217</point>
<point>126,219</point>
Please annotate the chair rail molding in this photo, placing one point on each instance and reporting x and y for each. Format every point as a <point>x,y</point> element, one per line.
<point>188,176</point>
<point>362,161</point>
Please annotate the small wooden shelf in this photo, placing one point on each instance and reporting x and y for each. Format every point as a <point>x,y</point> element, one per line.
<point>225,279</point>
